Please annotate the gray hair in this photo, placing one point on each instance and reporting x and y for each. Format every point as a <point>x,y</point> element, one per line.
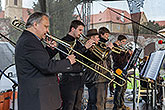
<point>35,17</point>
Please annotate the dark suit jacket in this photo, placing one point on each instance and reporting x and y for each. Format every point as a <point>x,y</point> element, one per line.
<point>77,67</point>
<point>36,71</point>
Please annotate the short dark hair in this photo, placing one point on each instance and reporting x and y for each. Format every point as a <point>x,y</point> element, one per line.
<point>121,37</point>
<point>103,30</point>
<point>35,17</point>
<point>75,24</point>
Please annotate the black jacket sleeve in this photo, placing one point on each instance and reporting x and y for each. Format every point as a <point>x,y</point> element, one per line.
<point>51,52</point>
<point>39,57</point>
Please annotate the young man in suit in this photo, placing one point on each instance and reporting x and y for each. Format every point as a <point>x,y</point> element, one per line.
<point>71,84</point>
<point>36,70</point>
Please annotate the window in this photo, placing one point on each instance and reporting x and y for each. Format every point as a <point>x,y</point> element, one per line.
<point>118,27</point>
<point>15,2</point>
<point>107,26</point>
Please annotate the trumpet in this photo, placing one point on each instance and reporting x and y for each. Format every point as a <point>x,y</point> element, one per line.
<point>100,50</point>
<point>66,45</point>
<point>83,39</point>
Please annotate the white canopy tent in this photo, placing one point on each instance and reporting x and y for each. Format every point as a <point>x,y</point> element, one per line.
<point>7,52</point>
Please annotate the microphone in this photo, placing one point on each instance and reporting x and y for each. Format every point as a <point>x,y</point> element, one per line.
<point>161,42</point>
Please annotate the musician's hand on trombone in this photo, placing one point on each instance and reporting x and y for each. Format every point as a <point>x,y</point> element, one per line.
<point>51,43</point>
<point>72,59</point>
<point>130,52</point>
<point>110,45</point>
<point>89,43</point>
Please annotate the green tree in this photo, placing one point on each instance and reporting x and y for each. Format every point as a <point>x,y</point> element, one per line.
<point>61,14</point>
<point>152,25</point>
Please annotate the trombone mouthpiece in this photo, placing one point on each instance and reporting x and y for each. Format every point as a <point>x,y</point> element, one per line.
<point>47,34</point>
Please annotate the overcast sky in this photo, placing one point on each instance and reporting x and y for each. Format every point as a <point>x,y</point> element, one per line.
<point>154,9</point>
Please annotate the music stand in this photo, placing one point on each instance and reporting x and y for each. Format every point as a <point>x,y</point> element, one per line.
<point>153,64</point>
<point>131,64</point>
<point>132,61</point>
<point>14,83</point>
<point>152,68</point>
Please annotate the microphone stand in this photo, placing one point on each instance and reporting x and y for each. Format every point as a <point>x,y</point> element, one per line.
<point>134,88</point>
<point>14,83</point>
<point>135,32</point>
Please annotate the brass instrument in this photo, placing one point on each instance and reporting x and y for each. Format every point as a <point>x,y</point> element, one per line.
<point>15,25</point>
<point>119,50</point>
<point>101,50</point>
<point>128,46</point>
<point>83,39</point>
<point>18,24</point>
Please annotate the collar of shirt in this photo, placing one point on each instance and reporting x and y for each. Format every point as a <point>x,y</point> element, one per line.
<point>37,37</point>
<point>33,34</point>
<point>69,38</point>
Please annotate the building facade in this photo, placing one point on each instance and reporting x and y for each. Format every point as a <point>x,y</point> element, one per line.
<point>13,9</point>
<point>116,23</point>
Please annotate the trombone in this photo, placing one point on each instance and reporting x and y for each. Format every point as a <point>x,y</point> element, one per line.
<point>101,49</point>
<point>16,25</point>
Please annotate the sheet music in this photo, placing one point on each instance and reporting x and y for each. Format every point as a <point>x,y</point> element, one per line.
<point>154,64</point>
<point>133,58</point>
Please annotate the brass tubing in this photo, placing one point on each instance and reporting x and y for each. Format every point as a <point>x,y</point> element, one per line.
<point>16,25</point>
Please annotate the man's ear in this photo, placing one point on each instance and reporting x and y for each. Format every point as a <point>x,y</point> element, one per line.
<point>72,29</point>
<point>35,24</point>
<point>119,42</point>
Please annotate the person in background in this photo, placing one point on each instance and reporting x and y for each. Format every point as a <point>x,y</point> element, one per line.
<point>37,72</point>
<point>71,84</point>
<point>97,84</point>
<point>104,37</point>
<point>90,75</point>
<point>120,61</point>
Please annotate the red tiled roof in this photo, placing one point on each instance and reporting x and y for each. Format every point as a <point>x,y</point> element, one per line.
<point>26,12</point>
<point>2,14</point>
<point>109,15</point>
<point>161,23</point>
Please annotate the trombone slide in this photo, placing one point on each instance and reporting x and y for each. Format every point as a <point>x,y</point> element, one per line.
<point>16,24</point>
